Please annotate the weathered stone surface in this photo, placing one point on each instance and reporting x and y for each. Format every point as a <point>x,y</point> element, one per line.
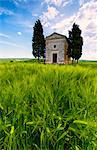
<point>56,44</point>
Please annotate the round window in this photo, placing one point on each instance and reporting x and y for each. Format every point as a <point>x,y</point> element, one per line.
<point>54,46</point>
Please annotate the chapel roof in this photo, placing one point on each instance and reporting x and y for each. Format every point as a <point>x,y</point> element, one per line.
<point>58,35</point>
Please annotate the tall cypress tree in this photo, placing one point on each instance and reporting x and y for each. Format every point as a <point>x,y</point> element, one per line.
<point>38,41</point>
<point>76,42</point>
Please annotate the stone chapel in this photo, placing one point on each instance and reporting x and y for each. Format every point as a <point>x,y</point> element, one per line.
<point>56,49</point>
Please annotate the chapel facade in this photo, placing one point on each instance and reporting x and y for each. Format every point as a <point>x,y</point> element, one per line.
<point>56,49</point>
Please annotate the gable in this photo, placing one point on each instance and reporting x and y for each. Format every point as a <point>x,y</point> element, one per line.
<point>55,36</point>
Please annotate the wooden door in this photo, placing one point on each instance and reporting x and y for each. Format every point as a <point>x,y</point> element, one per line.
<point>55,58</point>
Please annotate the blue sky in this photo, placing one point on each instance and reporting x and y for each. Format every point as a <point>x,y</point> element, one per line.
<point>17,18</point>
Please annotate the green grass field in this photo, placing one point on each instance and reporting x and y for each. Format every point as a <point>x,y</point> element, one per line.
<point>48,107</point>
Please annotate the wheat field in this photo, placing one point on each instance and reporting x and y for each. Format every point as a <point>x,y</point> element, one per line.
<point>48,107</point>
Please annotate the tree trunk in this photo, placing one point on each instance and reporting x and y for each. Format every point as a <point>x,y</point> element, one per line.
<point>38,58</point>
<point>77,61</point>
<point>72,61</point>
<point>44,61</point>
<point>38,55</point>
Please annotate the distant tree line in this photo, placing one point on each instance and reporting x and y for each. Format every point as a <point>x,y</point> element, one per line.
<point>75,42</point>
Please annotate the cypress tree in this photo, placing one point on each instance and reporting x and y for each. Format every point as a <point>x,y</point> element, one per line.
<point>38,41</point>
<point>76,42</point>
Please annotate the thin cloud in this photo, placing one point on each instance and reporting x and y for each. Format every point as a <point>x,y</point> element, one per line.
<point>18,2</point>
<point>6,11</point>
<point>82,2</point>
<point>25,23</point>
<point>34,15</point>
<point>89,55</point>
<point>4,35</point>
<point>57,3</point>
<point>21,21</point>
<point>11,44</point>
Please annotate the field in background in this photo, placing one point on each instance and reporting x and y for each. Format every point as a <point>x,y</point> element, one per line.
<point>48,107</point>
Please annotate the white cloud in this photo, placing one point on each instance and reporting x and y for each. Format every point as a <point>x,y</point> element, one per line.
<point>82,2</point>
<point>6,11</point>
<point>87,14</point>
<point>51,13</point>
<point>64,25</point>
<point>65,3</point>
<point>57,2</point>
<point>86,17</point>
<point>19,33</point>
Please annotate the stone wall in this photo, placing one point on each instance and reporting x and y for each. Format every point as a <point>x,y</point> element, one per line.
<point>56,45</point>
